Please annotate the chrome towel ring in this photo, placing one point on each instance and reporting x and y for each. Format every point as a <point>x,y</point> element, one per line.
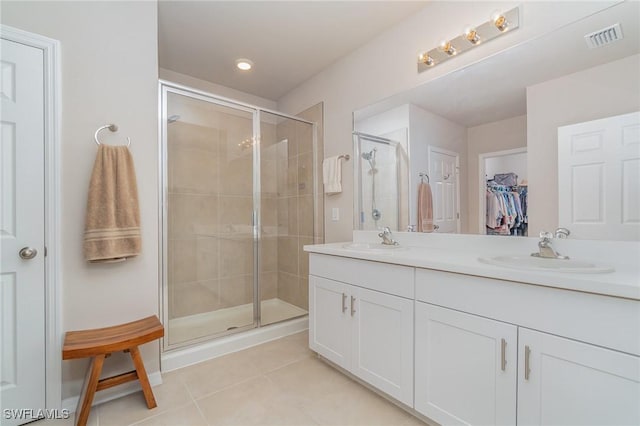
<point>111,127</point>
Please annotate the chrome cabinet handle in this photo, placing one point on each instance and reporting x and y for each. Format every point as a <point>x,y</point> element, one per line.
<point>28,253</point>
<point>344,303</point>
<point>353,309</point>
<point>527,366</point>
<point>503,354</point>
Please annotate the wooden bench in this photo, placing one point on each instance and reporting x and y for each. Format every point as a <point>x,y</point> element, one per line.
<point>99,343</point>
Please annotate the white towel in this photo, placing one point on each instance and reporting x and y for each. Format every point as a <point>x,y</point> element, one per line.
<point>332,175</point>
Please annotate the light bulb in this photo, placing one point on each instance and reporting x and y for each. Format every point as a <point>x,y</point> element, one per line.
<point>471,35</point>
<point>500,21</point>
<point>424,58</point>
<point>447,48</point>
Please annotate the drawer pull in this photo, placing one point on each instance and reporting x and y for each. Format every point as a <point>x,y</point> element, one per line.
<point>344,303</point>
<point>353,308</point>
<point>503,355</point>
<point>527,366</point>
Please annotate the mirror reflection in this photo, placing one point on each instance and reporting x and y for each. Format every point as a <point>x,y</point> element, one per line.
<point>543,135</point>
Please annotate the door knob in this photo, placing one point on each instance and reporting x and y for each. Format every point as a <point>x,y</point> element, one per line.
<point>28,253</point>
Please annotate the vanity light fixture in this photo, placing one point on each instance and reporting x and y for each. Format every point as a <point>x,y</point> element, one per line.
<point>244,64</point>
<point>447,48</point>
<point>424,58</point>
<point>471,35</point>
<point>500,23</point>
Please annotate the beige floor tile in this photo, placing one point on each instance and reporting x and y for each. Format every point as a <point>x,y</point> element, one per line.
<point>353,404</point>
<point>217,374</point>
<point>133,408</point>
<point>188,415</point>
<point>279,353</point>
<point>254,402</point>
<point>93,420</point>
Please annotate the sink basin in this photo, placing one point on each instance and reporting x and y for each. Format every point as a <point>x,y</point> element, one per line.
<point>542,264</point>
<point>383,248</point>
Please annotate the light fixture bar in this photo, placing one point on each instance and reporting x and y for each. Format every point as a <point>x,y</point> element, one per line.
<point>500,23</point>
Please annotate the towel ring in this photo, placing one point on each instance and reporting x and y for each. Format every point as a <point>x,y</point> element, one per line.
<point>111,127</point>
<point>422,176</point>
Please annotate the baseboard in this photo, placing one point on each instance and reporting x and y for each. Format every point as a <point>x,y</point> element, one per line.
<point>183,357</point>
<point>108,394</point>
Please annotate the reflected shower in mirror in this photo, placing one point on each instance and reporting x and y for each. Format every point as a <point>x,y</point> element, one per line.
<point>381,163</point>
<point>488,136</point>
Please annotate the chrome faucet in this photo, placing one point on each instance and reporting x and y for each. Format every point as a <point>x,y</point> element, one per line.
<point>545,249</point>
<point>387,237</point>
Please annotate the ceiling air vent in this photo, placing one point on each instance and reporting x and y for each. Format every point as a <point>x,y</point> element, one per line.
<point>604,36</point>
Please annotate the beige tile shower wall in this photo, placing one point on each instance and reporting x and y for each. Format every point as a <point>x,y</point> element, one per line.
<point>296,214</point>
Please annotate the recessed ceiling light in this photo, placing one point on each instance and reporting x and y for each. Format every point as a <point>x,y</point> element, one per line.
<point>244,64</point>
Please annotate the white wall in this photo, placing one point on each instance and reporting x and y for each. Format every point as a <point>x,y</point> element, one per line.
<point>387,65</point>
<point>428,129</point>
<point>514,163</point>
<point>109,75</point>
<point>500,135</point>
<point>552,104</point>
<point>216,89</point>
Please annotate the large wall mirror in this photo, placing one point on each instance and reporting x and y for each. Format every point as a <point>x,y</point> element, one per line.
<point>551,124</point>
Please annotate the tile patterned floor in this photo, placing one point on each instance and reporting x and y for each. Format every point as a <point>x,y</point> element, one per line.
<point>278,383</point>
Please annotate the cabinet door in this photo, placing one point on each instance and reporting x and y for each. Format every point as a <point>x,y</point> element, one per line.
<point>329,320</point>
<point>465,367</point>
<point>569,382</point>
<point>383,342</point>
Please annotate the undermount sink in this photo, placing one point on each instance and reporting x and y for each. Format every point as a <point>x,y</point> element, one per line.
<point>372,247</point>
<point>544,264</point>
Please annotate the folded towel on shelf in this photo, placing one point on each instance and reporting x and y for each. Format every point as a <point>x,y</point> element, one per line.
<point>425,208</point>
<point>332,175</point>
<point>112,228</point>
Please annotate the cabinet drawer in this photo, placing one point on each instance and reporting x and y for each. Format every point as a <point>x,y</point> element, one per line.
<point>384,277</point>
<point>602,320</point>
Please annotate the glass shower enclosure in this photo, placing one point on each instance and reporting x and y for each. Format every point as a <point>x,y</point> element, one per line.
<point>238,187</point>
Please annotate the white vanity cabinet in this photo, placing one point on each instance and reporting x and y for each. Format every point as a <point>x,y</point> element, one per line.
<point>567,382</point>
<point>465,367</point>
<point>555,380</point>
<point>368,332</point>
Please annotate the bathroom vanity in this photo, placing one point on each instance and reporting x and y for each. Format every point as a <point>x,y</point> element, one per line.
<point>461,341</point>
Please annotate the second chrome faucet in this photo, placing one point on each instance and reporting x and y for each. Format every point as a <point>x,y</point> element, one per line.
<point>545,249</point>
<point>387,237</point>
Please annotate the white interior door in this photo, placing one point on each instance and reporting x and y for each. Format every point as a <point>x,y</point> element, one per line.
<point>443,177</point>
<point>22,290</point>
<point>599,178</point>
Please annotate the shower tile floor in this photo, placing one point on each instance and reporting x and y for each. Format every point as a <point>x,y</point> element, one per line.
<point>210,323</point>
<point>280,382</point>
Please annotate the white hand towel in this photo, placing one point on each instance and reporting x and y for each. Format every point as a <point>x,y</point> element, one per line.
<point>332,175</point>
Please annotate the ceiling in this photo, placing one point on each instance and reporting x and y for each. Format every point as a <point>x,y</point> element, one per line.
<point>288,41</point>
<point>495,88</point>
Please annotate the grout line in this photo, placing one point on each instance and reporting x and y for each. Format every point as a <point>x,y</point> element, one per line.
<point>160,413</point>
<point>196,404</point>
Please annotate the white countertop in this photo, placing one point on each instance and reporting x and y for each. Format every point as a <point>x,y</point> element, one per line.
<point>623,282</point>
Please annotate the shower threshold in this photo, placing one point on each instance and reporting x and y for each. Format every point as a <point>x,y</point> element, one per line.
<point>196,326</point>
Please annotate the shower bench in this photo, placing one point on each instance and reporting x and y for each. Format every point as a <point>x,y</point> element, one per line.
<point>99,344</point>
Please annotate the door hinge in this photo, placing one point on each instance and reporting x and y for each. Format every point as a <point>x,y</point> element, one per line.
<point>457,215</point>
<point>45,251</point>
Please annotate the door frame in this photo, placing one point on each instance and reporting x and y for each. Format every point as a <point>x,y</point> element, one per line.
<point>482,199</point>
<point>439,150</point>
<point>52,190</point>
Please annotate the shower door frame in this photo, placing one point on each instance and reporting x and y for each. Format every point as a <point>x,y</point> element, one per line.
<point>357,172</point>
<point>164,88</point>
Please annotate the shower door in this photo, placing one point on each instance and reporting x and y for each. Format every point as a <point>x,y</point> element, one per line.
<point>238,206</point>
<point>210,253</point>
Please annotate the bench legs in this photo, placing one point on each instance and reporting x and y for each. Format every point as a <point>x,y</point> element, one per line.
<point>89,390</point>
<point>92,383</point>
<point>142,377</point>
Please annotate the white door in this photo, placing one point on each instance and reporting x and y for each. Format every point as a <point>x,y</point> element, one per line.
<point>443,177</point>
<point>22,315</point>
<point>382,352</point>
<point>599,178</point>
<point>465,368</point>
<point>329,320</point>
<point>573,383</point>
